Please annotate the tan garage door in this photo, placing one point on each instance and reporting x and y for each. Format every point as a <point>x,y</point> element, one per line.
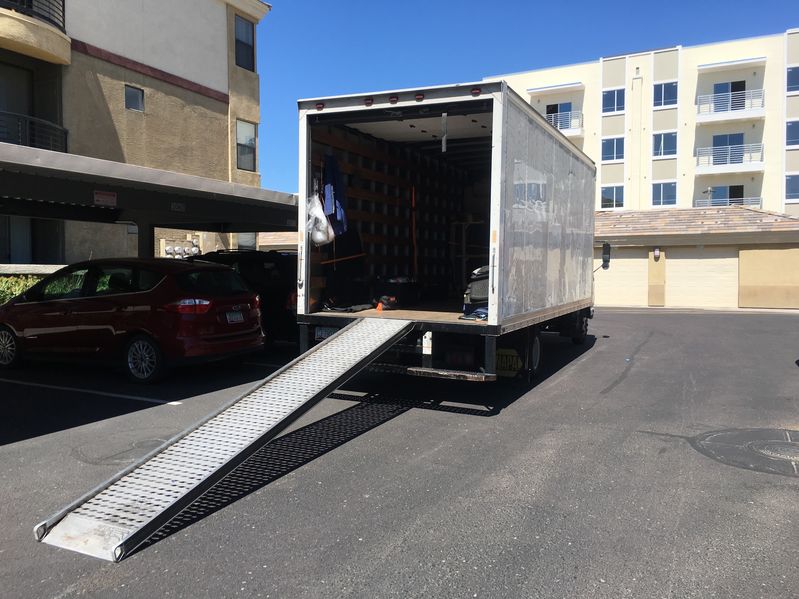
<point>702,277</point>
<point>769,277</point>
<point>625,283</point>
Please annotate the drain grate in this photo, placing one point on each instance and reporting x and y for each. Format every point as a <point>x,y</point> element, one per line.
<point>770,450</point>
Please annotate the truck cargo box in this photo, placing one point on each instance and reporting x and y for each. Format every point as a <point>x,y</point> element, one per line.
<point>438,182</point>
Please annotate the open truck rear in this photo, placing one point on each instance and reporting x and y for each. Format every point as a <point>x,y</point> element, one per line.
<point>436,183</point>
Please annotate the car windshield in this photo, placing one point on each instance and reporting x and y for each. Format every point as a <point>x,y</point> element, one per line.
<point>214,283</point>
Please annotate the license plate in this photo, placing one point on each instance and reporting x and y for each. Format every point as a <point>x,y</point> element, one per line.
<point>234,317</point>
<point>322,333</point>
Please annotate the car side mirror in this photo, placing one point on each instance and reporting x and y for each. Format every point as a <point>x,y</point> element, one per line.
<point>605,256</point>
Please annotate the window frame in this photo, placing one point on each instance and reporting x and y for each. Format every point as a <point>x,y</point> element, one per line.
<point>616,205</point>
<point>616,109</point>
<point>662,85</point>
<point>661,184</point>
<point>616,158</point>
<point>244,44</point>
<point>140,92</point>
<point>795,176</point>
<point>655,155</point>
<point>791,69</point>
<point>795,143</point>
<point>239,166</point>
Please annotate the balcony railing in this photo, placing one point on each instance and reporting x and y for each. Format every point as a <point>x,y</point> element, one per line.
<point>50,11</point>
<point>714,202</point>
<point>722,155</point>
<point>566,120</point>
<point>30,131</point>
<point>715,103</point>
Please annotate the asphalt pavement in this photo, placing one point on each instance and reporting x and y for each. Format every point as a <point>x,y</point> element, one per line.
<point>652,462</point>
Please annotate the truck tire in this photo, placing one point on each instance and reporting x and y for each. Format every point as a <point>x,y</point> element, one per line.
<point>534,354</point>
<point>580,330</point>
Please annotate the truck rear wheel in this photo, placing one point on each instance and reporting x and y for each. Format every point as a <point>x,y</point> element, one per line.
<point>580,330</point>
<point>533,353</point>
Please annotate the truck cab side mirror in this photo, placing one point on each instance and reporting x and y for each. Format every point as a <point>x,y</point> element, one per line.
<point>605,256</point>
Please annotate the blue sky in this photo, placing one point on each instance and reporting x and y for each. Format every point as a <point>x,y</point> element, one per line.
<point>310,48</point>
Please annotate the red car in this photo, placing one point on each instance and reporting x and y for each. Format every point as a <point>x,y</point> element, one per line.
<point>145,314</point>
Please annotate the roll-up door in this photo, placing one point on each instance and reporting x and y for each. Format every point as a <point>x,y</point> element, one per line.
<point>625,283</point>
<point>702,277</point>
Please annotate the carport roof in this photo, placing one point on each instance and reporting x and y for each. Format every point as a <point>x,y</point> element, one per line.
<point>46,184</point>
<point>691,225</point>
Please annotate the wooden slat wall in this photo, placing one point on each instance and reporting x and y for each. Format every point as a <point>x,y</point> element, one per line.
<point>380,177</point>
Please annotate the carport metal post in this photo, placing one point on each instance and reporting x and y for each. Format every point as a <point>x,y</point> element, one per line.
<point>146,240</point>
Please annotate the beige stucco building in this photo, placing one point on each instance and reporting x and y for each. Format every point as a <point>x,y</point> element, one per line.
<point>674,132</point>
<point>167,85</point>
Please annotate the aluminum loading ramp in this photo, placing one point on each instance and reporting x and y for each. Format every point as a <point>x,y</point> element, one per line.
<point>116,517</point>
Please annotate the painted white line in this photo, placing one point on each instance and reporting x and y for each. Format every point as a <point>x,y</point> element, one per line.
<point>92,392</point>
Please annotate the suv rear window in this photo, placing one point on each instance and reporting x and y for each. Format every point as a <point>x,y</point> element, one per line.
<point>215,283</point>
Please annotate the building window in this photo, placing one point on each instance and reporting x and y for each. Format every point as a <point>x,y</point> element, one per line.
<point>245,145</point>
<point>666,94</point>
<point>134,98</point>
<point>664,144</point>
<point>664,194</point>
<point>792,133</point>
<point>792,187</point>
<point>245,44</point>
<point>613,100</point>
<point>793,79</point>
<point>613,149</point>
<point>613,197</point>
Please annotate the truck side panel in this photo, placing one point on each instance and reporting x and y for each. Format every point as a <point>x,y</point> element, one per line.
<point>547,217</point>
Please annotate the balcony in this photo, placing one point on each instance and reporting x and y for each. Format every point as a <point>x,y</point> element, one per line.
<point>29,131</point>
<point>568,123</point>
<point>714,202</point>
<point>746,158</point>
<point>49,11</point>
<point>732,106</point>
<point>35,28</point>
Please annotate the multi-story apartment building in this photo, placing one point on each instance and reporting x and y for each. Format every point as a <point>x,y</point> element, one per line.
<point>167,85</point>
<point>710,126</point>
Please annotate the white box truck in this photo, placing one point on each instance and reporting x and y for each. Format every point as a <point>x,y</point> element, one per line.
<point>457,207</point>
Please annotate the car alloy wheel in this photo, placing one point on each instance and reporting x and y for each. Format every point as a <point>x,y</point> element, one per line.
<point>142,359</point>
<point>8,347</point>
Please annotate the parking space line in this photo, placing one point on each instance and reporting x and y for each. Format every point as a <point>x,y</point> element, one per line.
<point>92,392</point>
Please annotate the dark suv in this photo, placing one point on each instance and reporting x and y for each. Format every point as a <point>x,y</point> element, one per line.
<point>273,275</point>
<point>147,314</point>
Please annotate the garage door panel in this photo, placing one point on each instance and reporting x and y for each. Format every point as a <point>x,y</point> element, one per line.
<point>702,277</point>
<point>625,283</point>
<point>769,277</point>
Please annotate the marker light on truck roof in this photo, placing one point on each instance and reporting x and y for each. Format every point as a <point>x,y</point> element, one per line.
<point>320,105</point>
<point>419,97</point>
<point>476,91</point>
<point>393,99</point>
<point>368,101</point>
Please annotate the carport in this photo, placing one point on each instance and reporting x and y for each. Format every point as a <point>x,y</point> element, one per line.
<point>52,185</point>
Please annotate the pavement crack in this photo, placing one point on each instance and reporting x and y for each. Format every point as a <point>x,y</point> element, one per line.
<point>631,361</point>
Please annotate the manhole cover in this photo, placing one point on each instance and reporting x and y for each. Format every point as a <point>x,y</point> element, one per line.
<point>778,451</point>
<point>775,451</point>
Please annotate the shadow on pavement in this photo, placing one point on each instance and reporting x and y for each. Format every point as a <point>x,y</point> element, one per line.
<point>46,397</point>
<point>293,450</point>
